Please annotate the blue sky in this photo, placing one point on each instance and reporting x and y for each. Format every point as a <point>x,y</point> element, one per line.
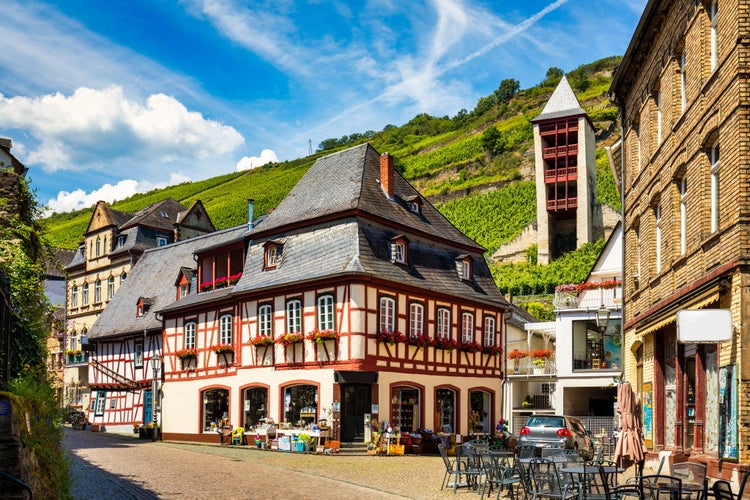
<point>105,99</point>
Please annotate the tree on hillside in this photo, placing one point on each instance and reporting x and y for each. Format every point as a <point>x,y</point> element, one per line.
<point>553,77</point>
<point>507,89</point>
<point>491,140</point>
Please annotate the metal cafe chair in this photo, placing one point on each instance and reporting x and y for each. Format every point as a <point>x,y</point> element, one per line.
<point>722,490</point>
<point>546,482</point>
<point>618,492</point>
<point>693,477</point>
<point>656,486</point>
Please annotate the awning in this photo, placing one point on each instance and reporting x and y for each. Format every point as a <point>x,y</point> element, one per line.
<point>354,377</point>
<point>669,316</point>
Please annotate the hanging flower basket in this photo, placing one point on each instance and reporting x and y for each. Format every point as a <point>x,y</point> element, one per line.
<point>290,339</point>
<point>321,336</point>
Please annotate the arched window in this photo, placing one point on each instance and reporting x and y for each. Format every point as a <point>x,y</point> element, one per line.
<point>416,319</point>
<point>265,320</point>
<point>123,277</point>
<point>98,247</point>
<point>445,404</point>
<point>255,405</point>
<point>406,408</point>
<point>190,335</point>
<point>387,314</point>
<point>301,404</point>
<point>225,329</point>
<point>443,323</point>
<point>97,291</point>
<point>215,408</point>
<point>85,294</point>
<point>294,316</point>
<point>110,287</point>
<point>326,313</point>
<point>74,296</point>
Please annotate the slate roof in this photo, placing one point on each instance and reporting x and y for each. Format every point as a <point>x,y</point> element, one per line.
<point>162,215</point>
<point>350,181</point>
<point>563,102</point>
<point>154,277</point>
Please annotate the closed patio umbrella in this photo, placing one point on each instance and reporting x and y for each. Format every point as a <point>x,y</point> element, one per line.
<point>630,448</point>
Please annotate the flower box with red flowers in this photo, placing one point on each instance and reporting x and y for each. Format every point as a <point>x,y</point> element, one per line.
<point>206,286</point>
<point>389,337</point>
<point>541,354</point>
<point>492,350</point>
<point>321,336</point>
<point>187,354</point>
<point>420,341</point>
<point>446,344</point>
<point>262,341</point>
<point>290,339</point>
<point>224,349</point>
<point>470,347</point>
<point>518,354</point>
<point>233,279</point>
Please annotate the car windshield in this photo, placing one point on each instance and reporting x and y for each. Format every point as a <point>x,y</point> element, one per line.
<point>545,422</point>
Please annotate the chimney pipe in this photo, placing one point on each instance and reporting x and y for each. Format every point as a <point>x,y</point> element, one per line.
<point>250,202</point>
<point>386,174</point>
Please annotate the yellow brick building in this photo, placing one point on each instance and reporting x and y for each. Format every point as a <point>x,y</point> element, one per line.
<point>683,95</point>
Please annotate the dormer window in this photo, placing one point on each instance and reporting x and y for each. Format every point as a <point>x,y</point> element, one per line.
<point>121,240</point>
<point>161,241</point>
<point>415,204</point>
<point>465,267</point>
<point>273,252</point>
<point>142,307</point>
<point>399,249</point>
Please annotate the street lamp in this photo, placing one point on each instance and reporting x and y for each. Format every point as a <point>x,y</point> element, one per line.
<point>602,319</point>
<point>155,366</point>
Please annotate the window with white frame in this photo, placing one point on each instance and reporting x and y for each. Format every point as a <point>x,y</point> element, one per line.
<point>161,241</point>
<point>713,15</point>
<point>101,398</point>
<point>683,83</point>
<point>265,320</point>
<point>325,313</point>
<point>657,238</point>
<point>110,287</point>
<point>98,247</point>
<point>416,319</point>
<point>387,314</point>
<point>272,256</point>
<point>74,296</point>
<point>715,167</point>
<point>467,327</point>
<point>97,291</point>
<point>294,316</point>
<point>683,214</point>
<point>85,294</point>
<point>184,289</point>
<point>138,355</point>
<point>190,335</point>
<point>443,323</point>
<point>398,252</point>
<point>225,329</point>
<point>489,331</point>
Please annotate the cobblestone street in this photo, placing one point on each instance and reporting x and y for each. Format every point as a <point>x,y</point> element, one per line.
<point>117,467</point>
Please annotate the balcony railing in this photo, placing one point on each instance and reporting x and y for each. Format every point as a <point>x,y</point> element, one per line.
<point>560,174</point>
<point>589,299</point>
<point>76,358</point>
<point>527,366</point>
<point>556,151</point>
<point>562,204</point>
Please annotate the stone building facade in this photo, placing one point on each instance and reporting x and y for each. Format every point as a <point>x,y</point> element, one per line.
<point>683,94</point>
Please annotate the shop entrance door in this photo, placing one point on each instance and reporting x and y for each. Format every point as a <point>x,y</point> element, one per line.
<point>356,400</point>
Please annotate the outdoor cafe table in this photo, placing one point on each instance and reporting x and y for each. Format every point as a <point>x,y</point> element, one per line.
<point>586,470</point>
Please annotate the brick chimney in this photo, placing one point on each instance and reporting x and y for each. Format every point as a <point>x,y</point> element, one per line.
<point>386,174</point>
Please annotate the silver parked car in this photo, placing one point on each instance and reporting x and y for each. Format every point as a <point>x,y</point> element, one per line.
<point>567,432</point>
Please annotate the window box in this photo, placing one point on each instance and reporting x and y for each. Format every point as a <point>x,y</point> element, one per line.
<point>321,336</point>
<point>262,341</point>
<point>391,338</point>
<point>290,339</point>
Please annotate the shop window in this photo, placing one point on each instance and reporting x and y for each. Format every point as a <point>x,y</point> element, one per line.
<point>387,314</point>
<point>480,412</point>
<point>294,316</point>
<point>301,404</point>
<point>101,398</point>
<point>596,350</point>
<point>326,313</point>
<point>669,357</point>
<point>711,432</point>
<point>265,320</point>
<point>445,408</point>
<point>215,408</point>
<point>190,335</point>
<point>443,323</point>
<point>416,319</point>
<point>256,406</point>
<point>405,406</point>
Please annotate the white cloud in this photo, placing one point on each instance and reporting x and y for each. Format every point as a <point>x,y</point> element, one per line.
<point>67,201</point>
<point>250,162</point>
<point>93,128</point>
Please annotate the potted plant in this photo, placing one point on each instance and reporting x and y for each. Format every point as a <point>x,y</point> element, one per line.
<point>528,402</point>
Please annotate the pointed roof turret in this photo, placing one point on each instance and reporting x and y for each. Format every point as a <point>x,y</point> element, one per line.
<point>562,103</point>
